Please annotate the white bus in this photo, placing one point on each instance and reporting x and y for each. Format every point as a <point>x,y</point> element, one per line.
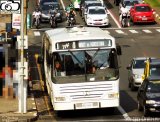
<point>81,68</point>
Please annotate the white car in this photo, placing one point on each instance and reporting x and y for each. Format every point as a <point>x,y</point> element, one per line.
<point>135,72</point>
<point>96,16</point>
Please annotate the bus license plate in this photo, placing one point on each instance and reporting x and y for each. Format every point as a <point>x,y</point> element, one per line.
<point>87,105</point>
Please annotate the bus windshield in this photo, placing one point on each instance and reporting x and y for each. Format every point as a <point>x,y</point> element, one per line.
<point>99,62</point>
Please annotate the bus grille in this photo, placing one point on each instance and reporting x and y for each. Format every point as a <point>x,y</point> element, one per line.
<point>81,92</point>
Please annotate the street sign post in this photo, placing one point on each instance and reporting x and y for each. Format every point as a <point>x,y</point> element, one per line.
<point>20,42</point>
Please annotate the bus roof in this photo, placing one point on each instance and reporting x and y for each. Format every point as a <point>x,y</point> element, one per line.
<point>77,33</point>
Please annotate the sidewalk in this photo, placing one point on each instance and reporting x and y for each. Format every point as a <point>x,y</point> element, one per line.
<point>9,111</point>
<point>9,108</point>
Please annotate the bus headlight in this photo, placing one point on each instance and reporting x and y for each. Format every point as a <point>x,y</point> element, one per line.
<point>150,102</point>
<point>113,95</point>
<point>60,99</point>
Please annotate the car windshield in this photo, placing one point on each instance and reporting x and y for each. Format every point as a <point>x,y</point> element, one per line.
<point>153,87</point>
<point>143,8</point>
<point>93,4</point>
<point>139,64</point>
<point>97,11</point>
<point>155,71</point>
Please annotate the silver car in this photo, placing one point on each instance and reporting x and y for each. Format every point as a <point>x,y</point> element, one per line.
<point>46,7</point>
<point>128,4</point>
<point>135,72</point>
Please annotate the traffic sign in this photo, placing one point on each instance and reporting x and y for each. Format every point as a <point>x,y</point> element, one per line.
<point>10,6</point>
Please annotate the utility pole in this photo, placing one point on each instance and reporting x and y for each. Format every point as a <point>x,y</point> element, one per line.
<point>6,67</point>
<point>22,84</point>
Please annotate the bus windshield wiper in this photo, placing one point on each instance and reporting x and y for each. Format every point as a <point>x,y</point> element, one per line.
<point>75,57</point>
<point>95,53</point>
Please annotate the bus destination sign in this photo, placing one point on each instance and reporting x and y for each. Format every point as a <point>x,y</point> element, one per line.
<point>84,44</point>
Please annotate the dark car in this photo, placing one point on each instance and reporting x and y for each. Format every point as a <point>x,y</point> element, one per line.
<point>46,7</point>
<point>149,95</point>
<point>41,2</point>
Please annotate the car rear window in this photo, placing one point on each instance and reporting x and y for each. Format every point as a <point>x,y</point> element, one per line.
<point>96,11</point>
<point>94,4</point>
<point>139,64</point>
<point>143,9</point>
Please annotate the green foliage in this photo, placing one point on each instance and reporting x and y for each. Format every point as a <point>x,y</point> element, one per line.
<point>153,3</point>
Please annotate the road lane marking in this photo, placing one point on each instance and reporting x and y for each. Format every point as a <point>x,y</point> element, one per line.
<point>158,30</point>
<point>62,3</point>
<point>119,31</point>
<point>37,33</point>
<point>147,31</point>
<point>107,31</point>
<point>115,20</point>
<point>125,115</point>
<point>133,31</point>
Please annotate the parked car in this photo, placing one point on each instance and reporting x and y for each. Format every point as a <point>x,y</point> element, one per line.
<point>142,13</point>
<point>45,9</point>
<point>135,72</point>
<point>96,16</point>
<point>149,95</point>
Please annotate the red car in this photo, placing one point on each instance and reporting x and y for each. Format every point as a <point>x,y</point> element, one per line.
<point>142,13</point>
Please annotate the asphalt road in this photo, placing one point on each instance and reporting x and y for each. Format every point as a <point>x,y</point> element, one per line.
<point>137,40</point>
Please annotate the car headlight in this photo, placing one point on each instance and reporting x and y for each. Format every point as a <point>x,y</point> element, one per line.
<point>106,18</point>
<point>58,14</point>
<point>89,18</point>
<point>150,102</point>
<point>113,95</point>
<point>43,14</point>
<point>60,99</point>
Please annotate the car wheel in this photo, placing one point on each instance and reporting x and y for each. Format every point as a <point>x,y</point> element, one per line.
<point>145,112</point>
<point>140,108</point>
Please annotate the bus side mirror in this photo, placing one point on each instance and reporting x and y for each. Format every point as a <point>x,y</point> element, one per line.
<point>119,51</point>
<point>40,60</point>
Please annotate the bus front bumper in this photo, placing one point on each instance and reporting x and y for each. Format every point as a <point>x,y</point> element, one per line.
<point>86,105</point>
